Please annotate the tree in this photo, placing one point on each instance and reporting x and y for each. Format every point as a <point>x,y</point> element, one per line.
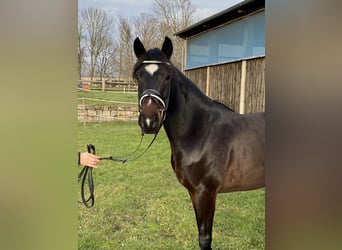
<point>81,49</point>
<point>175,15</point>
<point>98,27</point>
<point>103,51</point>
<point>126,59</point>
<point>105,66</point>
<point>147,29</point>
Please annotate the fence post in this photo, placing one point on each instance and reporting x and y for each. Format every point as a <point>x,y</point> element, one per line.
<point>103,84</point>
<point>84,110</point>
<point>207,88</point>
<point>243,87</point>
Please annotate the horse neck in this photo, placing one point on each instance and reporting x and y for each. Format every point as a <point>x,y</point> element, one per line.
<point>187,102</point>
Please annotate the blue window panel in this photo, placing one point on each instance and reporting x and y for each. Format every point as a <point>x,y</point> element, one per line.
<point>241,39</point>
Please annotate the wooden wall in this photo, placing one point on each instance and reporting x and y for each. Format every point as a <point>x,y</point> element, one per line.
<point>255,86</point>
<point>223,82</point>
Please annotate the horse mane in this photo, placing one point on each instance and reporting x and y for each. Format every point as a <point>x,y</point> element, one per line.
<point>195,89</point>
<point>224,105</point>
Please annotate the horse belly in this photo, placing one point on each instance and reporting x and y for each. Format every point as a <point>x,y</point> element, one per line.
<point>244,165</point>
<point>237,180</point>
<point>244,173</point>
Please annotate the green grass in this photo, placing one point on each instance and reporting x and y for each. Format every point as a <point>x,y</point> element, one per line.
<point>141,205</point>
<point>128,97</point>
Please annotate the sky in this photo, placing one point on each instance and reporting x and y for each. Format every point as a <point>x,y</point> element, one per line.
<point>131,8</point>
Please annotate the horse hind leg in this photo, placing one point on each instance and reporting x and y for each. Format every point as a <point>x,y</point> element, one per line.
<point>204,205</point>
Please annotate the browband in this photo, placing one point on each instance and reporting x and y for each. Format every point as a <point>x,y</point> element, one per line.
<point>151,61</point>
<point>154,61</point>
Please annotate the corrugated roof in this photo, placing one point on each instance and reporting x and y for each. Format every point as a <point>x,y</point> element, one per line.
<point>237,11</point>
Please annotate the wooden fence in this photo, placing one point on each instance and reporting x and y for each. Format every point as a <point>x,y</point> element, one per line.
<point>240,84</point>
<point>115,84</point>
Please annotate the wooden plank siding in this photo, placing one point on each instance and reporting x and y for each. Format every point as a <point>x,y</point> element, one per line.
<point>223,87</point>
<point>225,83</point>
<point>198,76</point>
<point>255,86</point>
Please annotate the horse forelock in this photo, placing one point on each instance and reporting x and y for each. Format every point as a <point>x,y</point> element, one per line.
<point>151,55</point>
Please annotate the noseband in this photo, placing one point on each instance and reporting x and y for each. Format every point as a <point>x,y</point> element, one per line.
<point>154,94</point>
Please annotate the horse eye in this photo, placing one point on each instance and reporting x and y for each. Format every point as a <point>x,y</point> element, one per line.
<point>167,77</point>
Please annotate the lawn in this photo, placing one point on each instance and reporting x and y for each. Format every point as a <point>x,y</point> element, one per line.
<point>93,97</point>
<point>141,205</point>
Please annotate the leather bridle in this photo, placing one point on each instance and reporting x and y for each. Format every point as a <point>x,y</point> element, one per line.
<point>155,95</point>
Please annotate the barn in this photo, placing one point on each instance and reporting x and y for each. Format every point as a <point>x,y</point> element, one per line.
<point>225,56</point>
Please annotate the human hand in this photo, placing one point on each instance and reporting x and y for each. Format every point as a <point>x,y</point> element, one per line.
<point>88,159</point>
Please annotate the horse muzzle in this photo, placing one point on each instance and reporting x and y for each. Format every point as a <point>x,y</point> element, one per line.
<point>152,111</point>
<point>149,124</point>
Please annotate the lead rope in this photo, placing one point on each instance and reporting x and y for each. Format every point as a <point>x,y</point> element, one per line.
<point>87,171</point>
<point>123,159</point>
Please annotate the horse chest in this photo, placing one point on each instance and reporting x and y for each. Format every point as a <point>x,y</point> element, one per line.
<point>192,173</point>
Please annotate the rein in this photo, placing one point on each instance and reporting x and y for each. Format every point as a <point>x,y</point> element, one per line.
<point>87,172</point>
<point>125,159</point>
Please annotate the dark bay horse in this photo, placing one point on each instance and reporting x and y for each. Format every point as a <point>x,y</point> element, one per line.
<point>213,148</point>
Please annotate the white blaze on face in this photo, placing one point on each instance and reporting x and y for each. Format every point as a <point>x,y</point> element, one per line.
<point>151,68</point>
<point>149,102</point>
<point>148,121</point>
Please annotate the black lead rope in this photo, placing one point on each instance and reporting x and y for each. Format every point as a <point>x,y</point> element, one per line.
<point>125,159</point>
<point>87,171</point>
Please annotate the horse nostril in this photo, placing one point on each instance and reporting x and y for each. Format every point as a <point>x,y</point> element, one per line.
<point>155,118</point>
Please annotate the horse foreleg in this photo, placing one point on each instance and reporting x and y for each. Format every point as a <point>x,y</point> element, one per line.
<point>204,205</point>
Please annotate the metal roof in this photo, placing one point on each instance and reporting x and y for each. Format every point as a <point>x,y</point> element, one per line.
<point>237,11</point>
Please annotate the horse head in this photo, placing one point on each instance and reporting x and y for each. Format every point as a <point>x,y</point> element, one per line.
<point>153,73</point>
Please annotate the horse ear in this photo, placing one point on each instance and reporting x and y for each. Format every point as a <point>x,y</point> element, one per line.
<point>167,47</point>
<point>139,48</point>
